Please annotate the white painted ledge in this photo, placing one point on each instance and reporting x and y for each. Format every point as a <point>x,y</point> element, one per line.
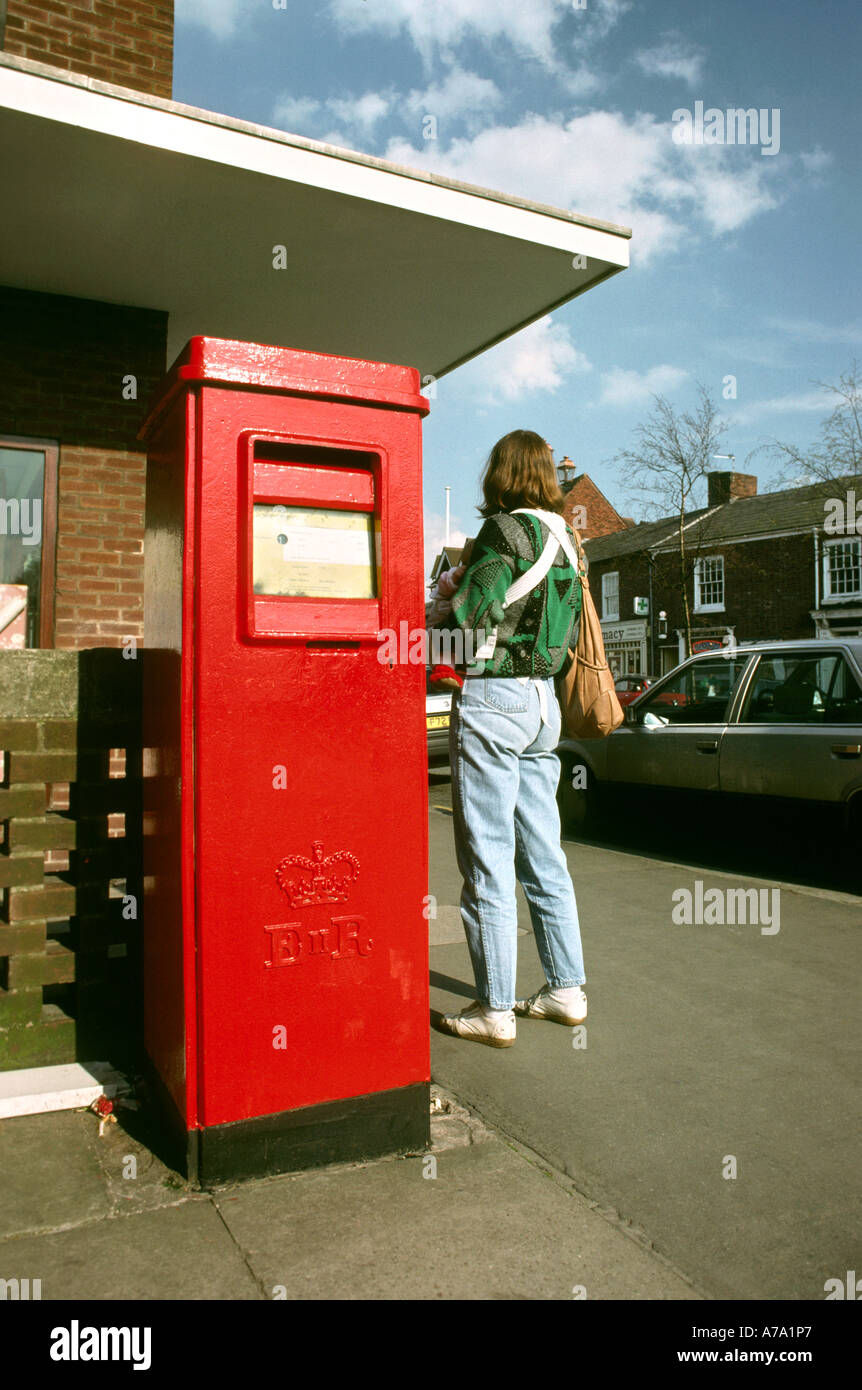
<point>38,1090</point>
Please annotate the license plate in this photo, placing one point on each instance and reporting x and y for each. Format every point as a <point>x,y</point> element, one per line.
<point>437,721</point>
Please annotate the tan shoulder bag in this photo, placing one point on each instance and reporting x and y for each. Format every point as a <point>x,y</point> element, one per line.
<point>585,687</point>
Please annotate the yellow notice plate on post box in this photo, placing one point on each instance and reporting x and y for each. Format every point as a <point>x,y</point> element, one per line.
<point>313,552</point>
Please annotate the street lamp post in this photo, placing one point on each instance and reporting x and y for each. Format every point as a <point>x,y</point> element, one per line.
<point>652,666</point>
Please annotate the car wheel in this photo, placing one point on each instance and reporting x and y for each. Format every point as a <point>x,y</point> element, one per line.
<point>576,796</point>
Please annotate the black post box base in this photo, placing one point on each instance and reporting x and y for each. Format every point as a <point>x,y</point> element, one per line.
<point>338,1131</point>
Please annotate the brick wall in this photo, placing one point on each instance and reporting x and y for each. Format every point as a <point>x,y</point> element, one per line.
<point>128,42</point>
<point>64,365</point>
<point>602,518</point>
<point>69,890</point>
<point>724,487</point>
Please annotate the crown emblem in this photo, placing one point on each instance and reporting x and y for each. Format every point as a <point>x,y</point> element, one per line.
<point>317,880</point>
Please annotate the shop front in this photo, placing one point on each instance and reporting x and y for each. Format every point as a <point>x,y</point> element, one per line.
<point>626,647</point>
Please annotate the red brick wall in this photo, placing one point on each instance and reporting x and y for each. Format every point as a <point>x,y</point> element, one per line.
<point>128,42</point>
<point>602,518</point>
<point>723,487</point>
<point>100,548</point>
<point>62,367</point>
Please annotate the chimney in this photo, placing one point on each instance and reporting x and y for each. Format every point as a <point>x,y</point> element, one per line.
<point>725,487</point>
<point>127,42</point>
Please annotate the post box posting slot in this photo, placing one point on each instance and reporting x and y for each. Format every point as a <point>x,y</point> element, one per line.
<point>312,541</point>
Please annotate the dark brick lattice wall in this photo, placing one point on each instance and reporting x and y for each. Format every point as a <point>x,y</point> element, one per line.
<point>70,890</point>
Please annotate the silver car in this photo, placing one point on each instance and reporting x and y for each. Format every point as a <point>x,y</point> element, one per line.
<point>776,719</point>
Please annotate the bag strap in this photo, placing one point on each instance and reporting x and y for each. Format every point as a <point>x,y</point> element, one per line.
<point>557,527</point>
<point>534,575</point>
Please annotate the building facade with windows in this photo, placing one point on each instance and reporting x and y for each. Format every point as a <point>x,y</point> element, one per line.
<point>756,567</point>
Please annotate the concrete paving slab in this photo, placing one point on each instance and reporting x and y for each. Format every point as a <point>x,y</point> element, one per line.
<point>50,1175</point>
<point>179,1252</point>
<point>490,1225</point>
<point>58,1171</point>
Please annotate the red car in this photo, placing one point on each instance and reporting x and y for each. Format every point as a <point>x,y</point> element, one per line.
<point>629,687</point>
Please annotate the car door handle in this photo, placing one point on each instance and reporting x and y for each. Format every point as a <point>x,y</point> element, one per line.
<point>847,750</point>
<point>707,745</point>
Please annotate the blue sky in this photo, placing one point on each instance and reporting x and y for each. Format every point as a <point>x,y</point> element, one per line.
<point>744,263</point>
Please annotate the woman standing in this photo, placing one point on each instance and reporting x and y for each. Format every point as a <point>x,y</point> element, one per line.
<point>504,729</point>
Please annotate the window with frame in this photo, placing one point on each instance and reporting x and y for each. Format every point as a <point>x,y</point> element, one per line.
<point>611,596</point>
<point>709,584</point>
<point>28,537</point>
<point>699,693</point>
<point>803,690</point>
<point>842,569</point>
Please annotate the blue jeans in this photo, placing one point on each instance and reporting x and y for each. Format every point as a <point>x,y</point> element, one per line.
<point>504,781</point>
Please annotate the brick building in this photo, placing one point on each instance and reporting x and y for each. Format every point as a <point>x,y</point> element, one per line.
<point>587,508</point>
<point>759,568</point>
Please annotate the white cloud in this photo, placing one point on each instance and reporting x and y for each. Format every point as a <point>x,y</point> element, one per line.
<point>218,16</point>
<point>539,358</point>
<point>604,165</point>
<point>621,386</point>
<point>727,198</point>
<point>802,404</point>
<point>580,82</point>
<point>362,112</point>
<point>296,114</point>
<point>812,331</point>
<point>672,58</point>
<point>438,27</point>
<point>598,18</point>
<point>816,160</point>
<point>459,93</point>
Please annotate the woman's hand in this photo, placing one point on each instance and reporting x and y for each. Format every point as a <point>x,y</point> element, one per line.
<point>449,580</point>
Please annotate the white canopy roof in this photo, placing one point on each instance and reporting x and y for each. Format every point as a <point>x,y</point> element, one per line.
<point>114,195</point>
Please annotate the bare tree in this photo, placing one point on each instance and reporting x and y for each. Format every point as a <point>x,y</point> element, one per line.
<point>838,453</point>
<point>666,468</point>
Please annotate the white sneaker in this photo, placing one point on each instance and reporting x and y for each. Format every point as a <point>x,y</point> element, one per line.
<point>544,1005</point>
<point>478,1025</point>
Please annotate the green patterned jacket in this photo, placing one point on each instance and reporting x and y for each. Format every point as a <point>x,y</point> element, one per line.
<point>534,634</point>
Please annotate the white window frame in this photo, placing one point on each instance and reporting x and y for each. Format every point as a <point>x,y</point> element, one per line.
<point>609,614</point>
<point>700,607</point>
<point>828,596</point>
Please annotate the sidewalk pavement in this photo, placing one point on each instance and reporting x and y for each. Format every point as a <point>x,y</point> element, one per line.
<point>477,1217</point>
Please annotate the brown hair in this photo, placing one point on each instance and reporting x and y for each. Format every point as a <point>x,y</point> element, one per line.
<point>520,473</point>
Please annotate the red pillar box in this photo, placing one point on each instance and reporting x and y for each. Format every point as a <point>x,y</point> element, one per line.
<point>285,812</point>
